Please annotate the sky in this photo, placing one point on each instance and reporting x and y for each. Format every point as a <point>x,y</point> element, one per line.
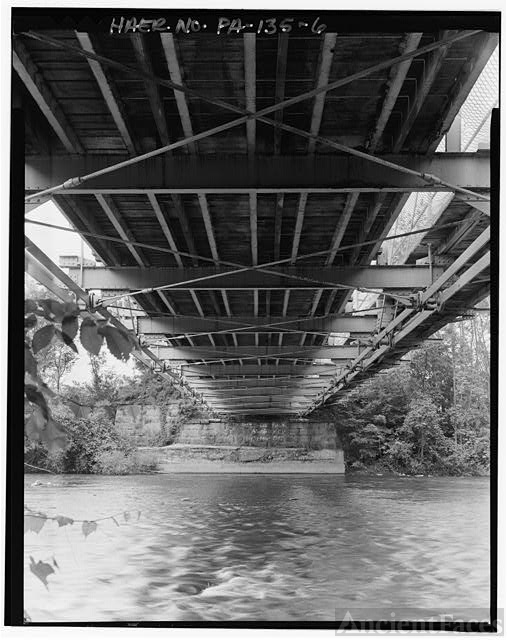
<point>52,241</point>
<point>55,243</point>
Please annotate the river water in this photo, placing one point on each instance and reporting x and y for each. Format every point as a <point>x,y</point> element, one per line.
<point>258,547</point>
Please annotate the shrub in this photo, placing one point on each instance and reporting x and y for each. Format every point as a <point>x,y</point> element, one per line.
<point>36,456</point>
<point>120,463</point>
<point>88,439</point>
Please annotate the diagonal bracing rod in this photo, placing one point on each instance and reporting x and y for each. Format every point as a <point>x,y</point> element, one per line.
<point>304,256</point>
<point>283,355</point>
<point>270,325</point>
<point>374,351</point>
<point>239,268</point>
<point>258,115</point>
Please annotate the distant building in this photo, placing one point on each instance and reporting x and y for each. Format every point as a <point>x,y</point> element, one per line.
<point>75,261</point>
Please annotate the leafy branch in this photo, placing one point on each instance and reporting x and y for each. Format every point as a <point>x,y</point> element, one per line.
<point>35,520</point>
<point>62,322</point>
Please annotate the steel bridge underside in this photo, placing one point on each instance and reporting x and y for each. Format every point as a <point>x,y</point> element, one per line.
<point>244,247</point>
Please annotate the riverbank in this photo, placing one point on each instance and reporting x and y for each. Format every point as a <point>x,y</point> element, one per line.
<point>377,470</point>
<point>213,459</point>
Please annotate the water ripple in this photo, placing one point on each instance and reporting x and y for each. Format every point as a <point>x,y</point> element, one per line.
<point>258,547</point>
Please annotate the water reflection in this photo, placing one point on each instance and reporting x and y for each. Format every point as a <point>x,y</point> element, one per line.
<point>235,547</point>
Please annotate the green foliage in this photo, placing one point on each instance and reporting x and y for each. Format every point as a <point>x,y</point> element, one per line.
<point>87,412</point>
<point>428,416</point>
<point>109,391</point>
<point>94,446</point>
<point>369,440</point>
<point>431,371</point>
<point>88,438</point>
<point>369,413</point>
<point>54,362</point>
<point>421,432</point>
<point>60,322</point>
<point>148,388</point>
<point>120,463</point>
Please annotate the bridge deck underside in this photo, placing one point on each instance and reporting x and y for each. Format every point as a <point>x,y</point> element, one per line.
<point>78,107</point>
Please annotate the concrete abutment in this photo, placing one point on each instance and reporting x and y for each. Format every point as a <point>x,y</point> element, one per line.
<point>235,445</point>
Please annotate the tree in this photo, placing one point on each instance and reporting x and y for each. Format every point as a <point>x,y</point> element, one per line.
<point>436,408</point>
<point>370,439</point>
<point>422,429</point>
<point>431,370</point>
<point>105,383</point>
<point>368,416</point>
<point>55,361</point>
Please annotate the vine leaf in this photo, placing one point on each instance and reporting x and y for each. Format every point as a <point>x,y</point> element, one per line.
<point>42,570</point>
<point>71,309</point>
<point>30,306</point>
<point>66,340</point>
<point>42,337</point>
<point>30,362</point>
<point>52,309</point>
<point>89,336</point>
<point>117,342</point>
<point>70,326</point>
<point>44,387</point>
<point>37,398</point>
<point>88,527</point>
<point>30,321</point>
<point>35,424</point>
<point>133,340</point>
<point>34,523</point>
<point>63,521</point>
<point>54,436</point>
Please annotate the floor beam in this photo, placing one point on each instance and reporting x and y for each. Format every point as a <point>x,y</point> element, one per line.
<point>291,351</point>
<point>215,324</point>
<point>239,175</point>
<point>210,278</point>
